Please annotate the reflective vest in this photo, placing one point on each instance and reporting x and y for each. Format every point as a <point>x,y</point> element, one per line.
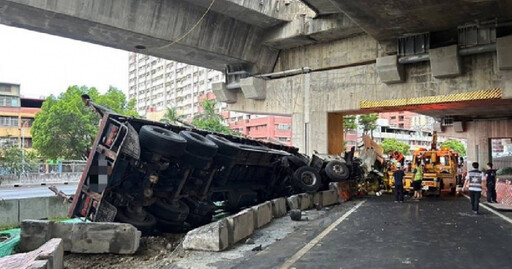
<point>475,180</point>
<point>419,173</point>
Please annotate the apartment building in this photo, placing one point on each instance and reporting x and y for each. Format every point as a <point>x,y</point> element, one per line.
<point>268,128</point>
<point>157,83</point>
<point>16,116</point>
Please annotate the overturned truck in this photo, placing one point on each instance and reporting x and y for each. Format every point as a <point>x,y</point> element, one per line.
<point>159,176</point>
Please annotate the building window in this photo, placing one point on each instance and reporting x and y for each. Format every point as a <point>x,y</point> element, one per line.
<point>284,139</point>
<point>9,121</point>
<point>393,117</point>
<point>284,127</point>
<point>9,101</point>
<point>401,125</point>
<point>401,118</point>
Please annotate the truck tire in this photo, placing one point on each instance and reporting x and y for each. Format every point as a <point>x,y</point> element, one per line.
<point>296,160</point>
<point>307,179</point>
<point>145,225</point>
<point>226,147</point>
<point>199,145</point>
<point>337,171</point>
<point>162,141</point>
<point>169,210</point>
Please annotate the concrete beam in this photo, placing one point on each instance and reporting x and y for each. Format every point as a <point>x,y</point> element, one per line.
<point>153,26</point>
<point>222,94</point>
<point>254,88</point>
<point>504,52</point>
<point>389,70</point>
<point>322,7</point>
<point>263,14</point>
<point>48,256</point>
<point>445,62</point>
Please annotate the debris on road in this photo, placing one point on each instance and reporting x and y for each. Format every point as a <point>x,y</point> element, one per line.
<point>296,214</point>
<point>49,255</point>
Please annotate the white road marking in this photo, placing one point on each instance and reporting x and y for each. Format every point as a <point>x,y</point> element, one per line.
<point>312,243</point>
<point>505,218</point>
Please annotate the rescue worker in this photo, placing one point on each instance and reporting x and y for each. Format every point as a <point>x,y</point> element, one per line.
<point>417,179</point>
<point>399,175</point>
<point>399,157</point>
<point>490,180</point>
<point>475,182</point>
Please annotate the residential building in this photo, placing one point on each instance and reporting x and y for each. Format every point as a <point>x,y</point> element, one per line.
<point>157,83</point>
<point>400,119</point>
<point>16,116</point>
<point>268,128</point>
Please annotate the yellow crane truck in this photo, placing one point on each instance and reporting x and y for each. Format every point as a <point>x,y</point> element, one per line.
<point>439,172</point>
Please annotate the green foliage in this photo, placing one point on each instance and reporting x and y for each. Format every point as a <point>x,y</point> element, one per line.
<point>171,116</point>
<point>368,122</point>
<point>394,145</point>
<point>208,111</point>
<point>504,171</point>
<point>456,146</point>
<point>349,122</point>
<point>14,160</point>
<point>66,128</point>
<point>213,125</point>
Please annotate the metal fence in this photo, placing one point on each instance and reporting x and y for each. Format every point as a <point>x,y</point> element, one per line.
<point>71,166</point>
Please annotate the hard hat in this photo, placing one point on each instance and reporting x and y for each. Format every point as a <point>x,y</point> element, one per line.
<point>398,165</point>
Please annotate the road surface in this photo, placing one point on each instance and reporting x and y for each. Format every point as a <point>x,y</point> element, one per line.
<point>33,191</point>
<point>433,233</point>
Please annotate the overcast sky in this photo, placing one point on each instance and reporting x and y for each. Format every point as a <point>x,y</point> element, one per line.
<point>44,64</point>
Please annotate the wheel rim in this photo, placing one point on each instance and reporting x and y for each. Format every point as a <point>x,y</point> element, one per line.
<point>338,169</point>
<point>308,178</point>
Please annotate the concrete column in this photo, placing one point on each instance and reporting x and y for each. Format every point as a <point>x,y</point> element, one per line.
<point>318,132</point>
<point>298,132</point>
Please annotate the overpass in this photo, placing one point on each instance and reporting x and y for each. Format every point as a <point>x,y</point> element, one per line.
<point>317,59</point>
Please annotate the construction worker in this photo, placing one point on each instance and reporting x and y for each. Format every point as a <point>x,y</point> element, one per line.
<point>490,179</point>
<point>399,157</point>
<point>475,182</point>
<point>398,175</point>
<point>417,179</point>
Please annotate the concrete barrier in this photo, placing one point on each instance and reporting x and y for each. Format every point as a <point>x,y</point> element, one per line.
<point>13,211</point>
<point>278,207</point>
<point>329,197</point>
<point>240,225</point>
<point>305,201</point>
<point>41,179</point>
<point>262,214</point>
<point>210,237</point>
<point>48,256</point>
<point>293,202</point>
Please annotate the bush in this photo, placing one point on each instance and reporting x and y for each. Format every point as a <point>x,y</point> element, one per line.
<point>504,171</point>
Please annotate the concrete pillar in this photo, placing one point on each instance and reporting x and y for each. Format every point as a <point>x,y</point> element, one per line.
<point>335,133</point>
<point>504,52</point>
<point>299,132</point>
<point>389,70</point>
<point>318,132</point>
<point>445,61</point>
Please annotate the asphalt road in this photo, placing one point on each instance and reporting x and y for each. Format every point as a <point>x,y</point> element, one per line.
<point>33,191</point>
<point>433,233</point>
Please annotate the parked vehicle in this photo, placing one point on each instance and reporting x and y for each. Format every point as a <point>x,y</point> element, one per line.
<point>159,176</point>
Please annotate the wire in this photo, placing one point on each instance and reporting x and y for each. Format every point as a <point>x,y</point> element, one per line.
<point>191,29</point>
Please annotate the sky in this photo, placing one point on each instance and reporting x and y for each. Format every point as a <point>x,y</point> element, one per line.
<point>44,64</point>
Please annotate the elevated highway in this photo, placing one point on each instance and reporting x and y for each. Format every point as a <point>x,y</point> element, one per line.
<point>316,60</point>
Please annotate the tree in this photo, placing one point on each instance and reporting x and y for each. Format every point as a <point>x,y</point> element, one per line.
<point>368,122</point>
<point>65,127</point>
<point>171,116</point>
<point>209,111</point>
<point>456,146</point>
<point>391,144</point>
<point>14,160</point>
<point>349,123</point>
<point>209,120</point>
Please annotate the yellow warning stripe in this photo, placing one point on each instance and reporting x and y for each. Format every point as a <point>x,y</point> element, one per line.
<point>495,93</point>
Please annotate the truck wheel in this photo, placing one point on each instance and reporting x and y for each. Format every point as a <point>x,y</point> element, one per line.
<point>145,223</point>
<point>337,171</point>
<point>296,160</point>
<point>200,213</point>
<point>169,210</point>
<point>307,179</point>
<point>162,141</point>
<point>198,144</point>
<point>226,147</point>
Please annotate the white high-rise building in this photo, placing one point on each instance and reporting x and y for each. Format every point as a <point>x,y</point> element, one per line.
<point>157,84</point>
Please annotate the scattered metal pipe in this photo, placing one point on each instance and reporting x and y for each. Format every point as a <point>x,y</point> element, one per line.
<point>233,85</point>
<point>414,58</point>
<point>242,72</point>
<point>285,73</point>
